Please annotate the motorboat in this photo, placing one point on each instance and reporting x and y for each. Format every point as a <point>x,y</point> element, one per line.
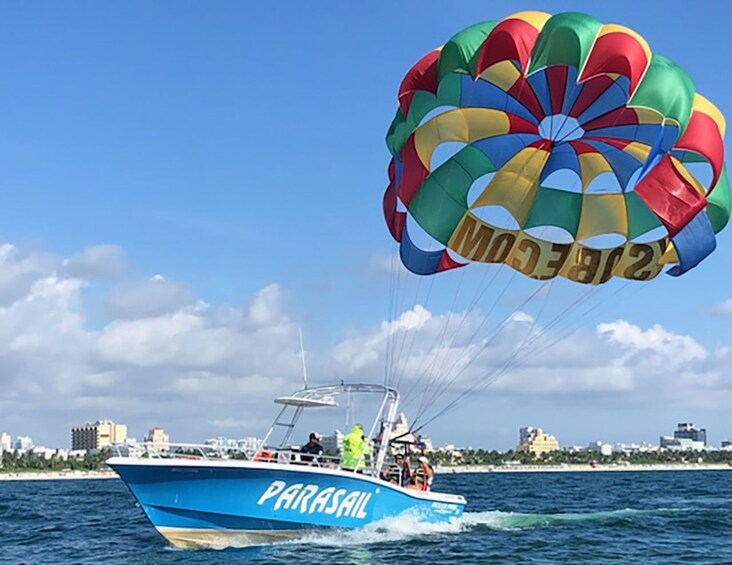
<point>202,495</point>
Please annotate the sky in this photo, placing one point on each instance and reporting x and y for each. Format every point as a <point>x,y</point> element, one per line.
<point>183,185</point>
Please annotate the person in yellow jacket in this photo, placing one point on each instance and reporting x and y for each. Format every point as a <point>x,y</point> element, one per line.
<point>355,449</point>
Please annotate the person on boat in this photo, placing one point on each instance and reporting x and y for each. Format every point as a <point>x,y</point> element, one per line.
<point>355,449</point>
<point>311,450</point>
<point>398,473</point>
<point>422,477</point>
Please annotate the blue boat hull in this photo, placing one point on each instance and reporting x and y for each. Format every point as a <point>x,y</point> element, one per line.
<point>208,502</point>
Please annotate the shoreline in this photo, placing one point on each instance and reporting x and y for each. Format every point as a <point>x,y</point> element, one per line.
<point>56,475</point>
<point>456,469</point>
<point>442,470</point>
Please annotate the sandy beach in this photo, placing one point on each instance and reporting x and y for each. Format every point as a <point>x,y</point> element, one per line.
<point>57,475</point>
<point>583,468</point>
<point>70,475</point>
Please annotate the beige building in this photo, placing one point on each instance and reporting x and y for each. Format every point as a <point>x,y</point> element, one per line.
<point>98,435</point>
<point>534,440</point>
<point>158,438</point>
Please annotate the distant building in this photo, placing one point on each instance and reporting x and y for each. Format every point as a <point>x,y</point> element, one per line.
<point>602,448</point>
<point>400,431</point>
<point>45,452</point>
<point>629,448</point>
<point>726,444</point>
<point>686,438</point>
<point>333,442</point>
<point>534,440</point>
<point>222,442</point>
<point>453,452</point>
<point>98,435</point>
<point>246,444</point>
<point>23,444</point>
<point>6,442</point>
<point>131,448</point>
<point>686,430</point>
<point>401,436</point>
<point>249,443</point>
<point>427,442</point>
<point>158,438</point>
<point>680,444</point>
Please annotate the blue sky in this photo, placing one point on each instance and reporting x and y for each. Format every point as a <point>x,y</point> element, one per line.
<point>232,146</point>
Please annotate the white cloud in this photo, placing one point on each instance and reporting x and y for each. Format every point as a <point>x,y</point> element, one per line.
<point>20,269</point>
<point>166,357</point>
<point>618,360</point>
<point>724,308</point>
<point>180,364</point>
<point>655,345</point>
<point>97,262</point>
<point>520,316</point>
<point>143,299</point>
<point>266,308</point>
<point>368,350</point>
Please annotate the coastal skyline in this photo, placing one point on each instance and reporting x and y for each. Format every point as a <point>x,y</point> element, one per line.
<point>185,187</point>
<point>26,443</point>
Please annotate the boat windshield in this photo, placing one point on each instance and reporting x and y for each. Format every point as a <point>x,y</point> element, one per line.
<point>277,444</point>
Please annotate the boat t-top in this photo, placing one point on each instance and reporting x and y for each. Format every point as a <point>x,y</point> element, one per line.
<point>204,495</point>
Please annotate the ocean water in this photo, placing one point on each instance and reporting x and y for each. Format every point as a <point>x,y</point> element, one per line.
<point>662,517</point>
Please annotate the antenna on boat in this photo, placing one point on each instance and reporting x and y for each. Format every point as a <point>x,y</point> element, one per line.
<point>302,355</point>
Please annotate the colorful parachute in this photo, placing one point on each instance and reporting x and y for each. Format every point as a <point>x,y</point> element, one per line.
<point>533,94</point>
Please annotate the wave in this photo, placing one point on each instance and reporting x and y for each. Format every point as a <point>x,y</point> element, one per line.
<point>408,527</point>
<point>519,521</point>
<point>405,526</point>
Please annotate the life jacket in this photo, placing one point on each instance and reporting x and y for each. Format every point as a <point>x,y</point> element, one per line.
<point>393,473</point>
<point>419,479</point>
<point>263,455</point>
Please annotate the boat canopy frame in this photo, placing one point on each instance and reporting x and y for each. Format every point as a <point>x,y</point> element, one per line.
<point>325,397</point>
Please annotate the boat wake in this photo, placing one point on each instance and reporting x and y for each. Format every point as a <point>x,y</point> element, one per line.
<point>520,521</point>
<point>406,527</point>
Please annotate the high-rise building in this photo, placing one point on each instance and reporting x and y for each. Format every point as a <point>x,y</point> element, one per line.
<point>249,444</point>
<point>98,435</point>
<point>401,432</point>
<point>158,438</point>
<point>534,440</point>
<point>23,443</point>
<point>332,443</point>
<point>6,442</point>
<point>686,430</point>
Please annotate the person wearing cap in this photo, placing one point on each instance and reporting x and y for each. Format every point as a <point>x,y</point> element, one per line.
<point>423,475</point>
<point>311,450</point>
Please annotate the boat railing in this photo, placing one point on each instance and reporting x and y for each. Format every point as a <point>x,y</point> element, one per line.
<point>148,450</point>
<point>295,457</point>
<point>217,452</point>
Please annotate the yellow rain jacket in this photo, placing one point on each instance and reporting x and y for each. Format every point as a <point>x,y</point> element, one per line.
<point>353,446</point>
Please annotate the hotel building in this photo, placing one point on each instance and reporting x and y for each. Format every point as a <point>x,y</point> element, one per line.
<point>98,435</point>
<point>158,438</point>
<point>534,440</point>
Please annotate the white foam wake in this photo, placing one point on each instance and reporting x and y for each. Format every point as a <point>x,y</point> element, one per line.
<point>397,528</point>
<point>408,526</point>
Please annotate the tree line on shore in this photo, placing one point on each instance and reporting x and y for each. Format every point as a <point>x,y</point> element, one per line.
<point>565,457</point>
<point>13,461</point>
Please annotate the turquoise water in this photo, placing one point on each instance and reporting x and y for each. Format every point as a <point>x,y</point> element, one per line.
<point>660,517</point>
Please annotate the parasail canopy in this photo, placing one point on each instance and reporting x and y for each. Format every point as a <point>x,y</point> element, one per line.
<point>532,95</point>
